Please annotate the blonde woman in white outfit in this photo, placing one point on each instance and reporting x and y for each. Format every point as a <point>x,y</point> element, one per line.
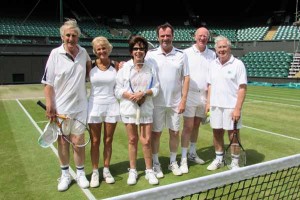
<point>133,70</point>
<point>103,108</point>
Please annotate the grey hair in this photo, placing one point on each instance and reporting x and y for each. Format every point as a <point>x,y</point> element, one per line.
<point>70,24</point>
<point>220,38</point>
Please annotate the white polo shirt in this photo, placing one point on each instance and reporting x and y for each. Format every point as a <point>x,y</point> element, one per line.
<point>171,68</point>
<point>198,63</point>
<point>67,77</point>
<point>225,80</point>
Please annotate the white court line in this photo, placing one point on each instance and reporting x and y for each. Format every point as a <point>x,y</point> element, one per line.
<point>272,97</point>
<point>272,133</point>
<point>260,101</point>
<point>87,192</point>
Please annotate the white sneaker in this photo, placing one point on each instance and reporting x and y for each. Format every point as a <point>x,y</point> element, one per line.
<point>82,181</point>
<point>175,169</point>
<point>234,166</point>
<point>184,166</point>
<point>94,180</point>
<point>132,176</point>
<point>195,158</point>
<point>216,164</point>
<point>64,182</point>
<point>157,170</point>
<point>150,176</point>
<point>108,177</point>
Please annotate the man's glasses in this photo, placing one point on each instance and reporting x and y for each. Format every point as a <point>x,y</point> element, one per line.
<point>138,48</point>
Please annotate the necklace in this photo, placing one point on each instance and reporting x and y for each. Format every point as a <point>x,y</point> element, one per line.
<point>101,65</point>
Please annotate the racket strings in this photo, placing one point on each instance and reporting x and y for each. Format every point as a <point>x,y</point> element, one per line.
<point>66,125</point>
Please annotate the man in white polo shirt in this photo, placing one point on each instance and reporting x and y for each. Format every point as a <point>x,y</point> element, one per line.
<point>199,56</point>
<point>65,93</point>
<point>169,104</point>
<point>226,94</point>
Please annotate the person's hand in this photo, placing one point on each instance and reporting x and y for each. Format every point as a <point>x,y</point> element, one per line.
<point>141,101</point>
<point>121,64</point>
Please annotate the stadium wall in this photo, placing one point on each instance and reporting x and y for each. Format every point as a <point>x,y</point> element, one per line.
<point>24,64</point>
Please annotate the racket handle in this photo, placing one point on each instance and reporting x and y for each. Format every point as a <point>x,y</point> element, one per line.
<point>138,115</point>
<point>235,125</point>
<point>41,104</point>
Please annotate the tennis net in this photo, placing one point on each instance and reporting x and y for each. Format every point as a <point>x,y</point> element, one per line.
<point>276,179</point>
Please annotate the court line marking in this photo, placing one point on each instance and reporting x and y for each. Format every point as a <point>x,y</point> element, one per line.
<point>87,192</point>
<point>273,97</point>
<point>261,101</point>
<point>272,133</point>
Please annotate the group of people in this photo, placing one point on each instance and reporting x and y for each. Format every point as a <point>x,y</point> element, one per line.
<point>151,91</point>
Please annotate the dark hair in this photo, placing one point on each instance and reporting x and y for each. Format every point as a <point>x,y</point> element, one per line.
<point>137,39</point>
<point>164,26</point>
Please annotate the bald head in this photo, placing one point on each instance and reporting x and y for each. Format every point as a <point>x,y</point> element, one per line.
<point>202,31</point>
<point>201,38</point>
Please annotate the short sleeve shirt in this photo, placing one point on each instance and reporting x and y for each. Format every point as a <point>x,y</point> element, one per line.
<point>225,81</point>
<point>67,77</point>
<point>171,69</point>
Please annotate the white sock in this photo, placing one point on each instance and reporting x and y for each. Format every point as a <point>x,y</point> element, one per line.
<point>173,157</point>
<point>235,158</point>
<point>64,169</point>
<point>219,155</point>
<point>155,158</point>
<point>183,152</point>
<point>192,148</point>
<point>79,170</point>
<point>105,169</point>
<point>95,171</point>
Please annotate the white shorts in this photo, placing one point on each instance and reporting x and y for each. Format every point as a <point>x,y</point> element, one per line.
<point>75,127</point>
<point>131,120</point>
<point>221,118</point>
<point>165,116</point>
<point>98,113</point>
<point>193,111</point>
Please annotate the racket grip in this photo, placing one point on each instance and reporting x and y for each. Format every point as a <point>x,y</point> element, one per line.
<point>41,104</point>
<point>138,115</point>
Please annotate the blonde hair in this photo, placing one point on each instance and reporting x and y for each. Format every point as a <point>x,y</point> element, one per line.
<point>70,24</point>
<point>102,41</point>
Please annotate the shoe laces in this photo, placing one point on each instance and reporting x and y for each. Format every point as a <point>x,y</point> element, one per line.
<point>132,172</point>
<point>173,165</point>
<point>63,177</point>
<point>107,174</point>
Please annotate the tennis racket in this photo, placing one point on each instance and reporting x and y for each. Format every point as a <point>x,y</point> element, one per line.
<point>49,135</point>
<point>57,127</point>
<point>140,81</point>
<point>235,152</point>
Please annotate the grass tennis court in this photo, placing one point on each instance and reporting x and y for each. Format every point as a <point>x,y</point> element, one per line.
<point>270,130</point>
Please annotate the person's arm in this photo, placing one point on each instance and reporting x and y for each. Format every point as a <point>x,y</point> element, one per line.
<point>239,103</point>
<point>50,102</point>
<point>185,89</point>
<point>207,107</point>
<point>88,69</point>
